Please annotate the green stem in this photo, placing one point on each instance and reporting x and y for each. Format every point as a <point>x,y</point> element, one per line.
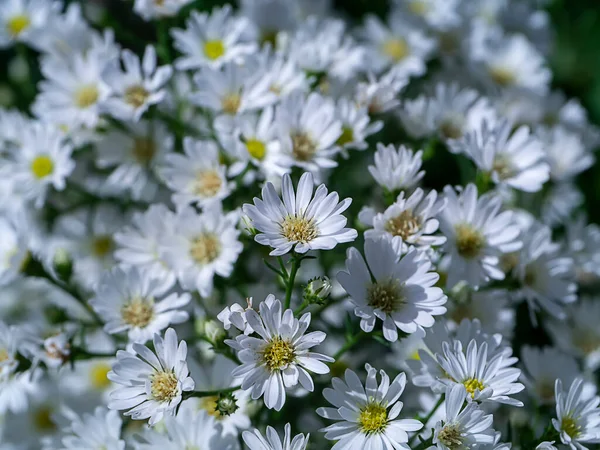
<point>355,339</point>
<point>429,416</point>
<point>201,394</point>
<point>301,308</point>
<point>296,261</point>
<point>78,353</point>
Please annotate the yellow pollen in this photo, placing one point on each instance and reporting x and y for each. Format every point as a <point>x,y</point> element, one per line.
<point>102,246</point>
<point>570,426</point>
<point>346,137</point>
<point>42,419</point>
<point>208,183</point>
<point>396,48</point>
<point>163,386</point>
<point>214,49</point>
<point>209,404</point>
<point>278,354</point>
<point>403,225</point>
<point>451,128</point>
<point>42,166</point>
<point>386,295</point>
<point>469,241</point>
<point>17,24</point>
<point>205,248</point>
<point>450,436</point>
<point>136,95</point>
<point>256,148</point>
<point>3,355</point>
<point>502,75</point>
<point>303,147</point>
<point>373,418</point>
<point>418,7</point>
<point>509,261</point>
<point>503,167</point>
<point>299,229</point>
<point>98,376</point>
<point>473,384</point>
<point>138,312</point>
<point>86,96</point>
<point>144,150</point>
<point>415,355</point>
<point>231,103</point>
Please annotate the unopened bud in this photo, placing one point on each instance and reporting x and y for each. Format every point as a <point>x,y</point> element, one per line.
<point>247,225</point>
<point>226,404</point>
<point>214,331</point>
<point>317,290</point>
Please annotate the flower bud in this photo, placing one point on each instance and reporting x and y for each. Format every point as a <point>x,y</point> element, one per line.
<point>317,290</point>
<point>214,331</point>
<point>226,404</point>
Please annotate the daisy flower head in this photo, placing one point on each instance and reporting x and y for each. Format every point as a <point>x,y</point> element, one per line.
<point>438,14</point>
<point>280,358</point>
<point>136,88</point>
<point>202,246</point>
<point>477,233</point>
<point>397,169</point>
<point>467,427</point>
<point>152,382</point>
<point>210,40</point>
<point>367,415</point>
<point>197,176</point>
<point>577,416</point>
<point>132,300</point>
<point>356,126</point>
<point>14,250</point>
<point>380,95</point>
<point>24,20</point>
<point>301,221</point>
<point>256,441</point>
<point>153,9</point>
<point>398,290</point>
<point>410,221</point>
<point>565,165</point>
<point>309,130</point>
<point>516,159</point>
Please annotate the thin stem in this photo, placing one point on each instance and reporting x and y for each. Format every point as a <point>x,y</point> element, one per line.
<point>301,308</point>
<point>355,339</point>
<point>296,261</point>
<point>429,415</point>
<point>200,394</point>
<point>282,265</point>
<point>275,269</point>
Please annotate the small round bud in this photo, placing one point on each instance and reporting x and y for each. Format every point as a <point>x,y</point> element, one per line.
<point>226,404</point>
<point>214,331</point>
<point>317,290</point>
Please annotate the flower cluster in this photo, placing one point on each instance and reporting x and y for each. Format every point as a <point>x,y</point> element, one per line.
<point>269,226</point>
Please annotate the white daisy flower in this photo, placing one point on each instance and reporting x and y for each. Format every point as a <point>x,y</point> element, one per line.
<point>138,87</point>
<point>14,251</point>
<point>565,165</point>
<point>438,14</point>
<point>367,415</point>
<point>409,221</point>
<point>577,417</point>
<point>582,241</point>
<point>309,129</point>
<point>398,44</point>
<point>397,290</point>
<point>210,40</point>
<point>42,160</point>
<point>202,246</point>
<point>486,377</point>
<point>285,76</point>
<point>24,20</point>
<point>102,429</point>
<point>542,367</point>
<point>478,234</point>
<point>397,170</point>
<point>380,95</point>
<point>137,302</point>
<point>153,9</point>
<point>300,222</point>
<point>281,357</point>
<point>255,440</point>
<point>17,389</point>
<point>516,159</point>
<point>197,177</point>
<point>560,203</point>
<point>236,315</point>
<point>153,382</point>
<point>356,125</point>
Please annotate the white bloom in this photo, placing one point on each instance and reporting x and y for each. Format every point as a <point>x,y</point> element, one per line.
<point>516,159</point>
<point>202,246</point>
<point>582,241</point>
<point>152,9</point>
<point>380,95</point>
<point>24,20</point>
<point>197,177</point>
<point>466,427</point>
<point>285,76</point>
<point>213,39</point>
<point>300,221</point>
<point>367,415</point>
<point>255,440</point>
<point>577,417</point>
<point>566,153</point>
<point>560,202</point>
<point>56,350</point>
<point>397,170</point>
<point>17,388</point>
<point>478,234</point>
<point>397,290</point>
<point>136,88</point>
<point>281,357</point>
<point>356,126</point>
<point>409,221</point>
<point>236,315</point>
<point>438,14</point>
<point>13,250</point>
<point>153,382</point>
<point>136,301</point>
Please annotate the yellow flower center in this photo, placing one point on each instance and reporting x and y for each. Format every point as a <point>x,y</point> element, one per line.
<point>298,229</point>
<point>303,147</point>
<point>163,386</point>
<point>208,183</point>
<point>396,48</point>
<point>102,246</point>
<point>4,356</point>
<point>451,128</point>
<point>214,49</point>
<point>136,96</point>
<point>503,167</point>
<point>278,354</point>
<point>386,295</point>
<point>502,75</point>
<point>418,7</point>
<point>209,404</point>
<point>403,225</point>
<point>17,24</point>
<point>472,385</point>
<point>144,150</point>
<point>231,103</point>
<point>469,241</point>
<point>86,96</point>
<point>99,376</point>
<point>373,418</point>
<point>256,148</point>
<point>450,436</point>
<point>570,426</point>
<point>205,248</point>
<point>346,137</point>
<point>138,312</point>
<point>42,166</point>
<point>42,419</point>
